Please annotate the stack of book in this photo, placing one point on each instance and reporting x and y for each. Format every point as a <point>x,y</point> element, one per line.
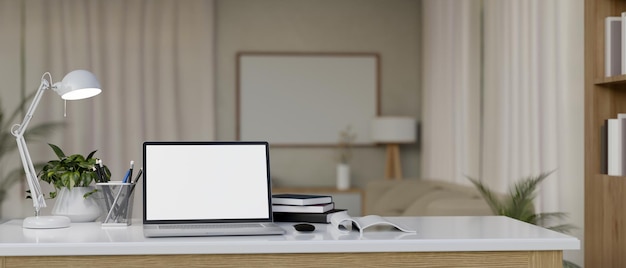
<point>303,208</point>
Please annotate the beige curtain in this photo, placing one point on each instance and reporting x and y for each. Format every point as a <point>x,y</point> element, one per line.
<point>154,59</point>
<point>531,97</point>
<point>533,101</point>
<point>450,132</point>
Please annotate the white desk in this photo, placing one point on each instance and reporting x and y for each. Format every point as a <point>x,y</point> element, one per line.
<point>447,241</point>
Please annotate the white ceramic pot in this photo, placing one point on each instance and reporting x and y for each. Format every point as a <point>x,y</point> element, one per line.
<point>343,176</point>
<point>72,204</point>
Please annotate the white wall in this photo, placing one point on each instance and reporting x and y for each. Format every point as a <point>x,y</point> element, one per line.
<point>390,28</point>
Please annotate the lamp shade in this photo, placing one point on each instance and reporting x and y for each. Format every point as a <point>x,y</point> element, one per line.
<point>394,129</point>
<point>78,84</point>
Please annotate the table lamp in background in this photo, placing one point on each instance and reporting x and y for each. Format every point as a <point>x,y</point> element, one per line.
<point>76,85</point>
<point>393,131</point>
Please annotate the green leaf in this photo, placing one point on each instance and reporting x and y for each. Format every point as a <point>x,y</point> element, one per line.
<point>90,193</point>
<point>91,154</point>
<point>60,154</point>
<point>86,178</point>
<point>69,171</point>
<point>494,203</point>
<point>519,203</point>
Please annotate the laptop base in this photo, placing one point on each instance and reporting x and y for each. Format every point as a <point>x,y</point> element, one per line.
<point>155,230</point>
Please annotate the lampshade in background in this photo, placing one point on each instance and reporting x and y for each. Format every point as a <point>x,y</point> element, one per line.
<point>393,131</point>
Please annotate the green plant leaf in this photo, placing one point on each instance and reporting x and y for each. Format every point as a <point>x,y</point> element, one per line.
<point>91,155</point>
<point>519,203</point>
<point>90,193</point>
<point>494,203</point>
<point>60,154</point>
<point>69,171</point>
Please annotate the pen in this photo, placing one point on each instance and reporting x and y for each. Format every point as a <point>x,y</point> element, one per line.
<point>104,173</point>
<point>98,177</point>
<point>114,206</point>
<point>99,172</point>
<point>130,193</point>
<point>130,171</point>
<point>125,180</point>
<point>136,179</point>
<point>138,176</point>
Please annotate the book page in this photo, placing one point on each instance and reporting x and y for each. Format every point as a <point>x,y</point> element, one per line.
<point>372,220</point>
<point>343,222</point>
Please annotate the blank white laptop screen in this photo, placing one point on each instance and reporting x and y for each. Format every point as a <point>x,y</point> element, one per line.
<point>206,181</point>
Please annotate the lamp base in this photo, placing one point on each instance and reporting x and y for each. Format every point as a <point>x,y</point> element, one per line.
<point>46,222</point>
<point>393,168</point>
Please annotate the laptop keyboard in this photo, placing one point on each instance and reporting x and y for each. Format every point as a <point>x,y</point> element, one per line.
<point>211,226</point>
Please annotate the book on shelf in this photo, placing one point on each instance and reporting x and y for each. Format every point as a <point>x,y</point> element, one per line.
<point>613,147</point>
<point>300,199</point>
<point>318,208</point>
<point>623,44</point>
<point>323,217</point>
<point>604,148</point>
<point>343,222</point>
<point>613,46</point>
<point>616,145</point>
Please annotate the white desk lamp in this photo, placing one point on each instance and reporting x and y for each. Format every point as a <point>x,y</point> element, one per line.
<point>76,85</point>
<point>393,131</point>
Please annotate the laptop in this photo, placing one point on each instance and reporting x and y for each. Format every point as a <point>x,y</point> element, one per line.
<point>207,189</point>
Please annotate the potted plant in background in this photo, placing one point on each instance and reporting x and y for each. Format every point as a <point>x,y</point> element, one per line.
<point>8,145</point>
<point>346,138</point>
<point>519,204</point>
<point>72,177</point>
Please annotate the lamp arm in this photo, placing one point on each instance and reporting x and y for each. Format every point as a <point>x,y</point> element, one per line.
<point>18,131</point>
<point>21,128</point>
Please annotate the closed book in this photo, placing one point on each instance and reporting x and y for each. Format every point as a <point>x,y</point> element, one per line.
<point>300,199</point>
<point>623,43</point>
<point>306,217</point>
<point>319,208</point>
<point>614,145</point>
<point>604,149</point>
<point>613,46</point>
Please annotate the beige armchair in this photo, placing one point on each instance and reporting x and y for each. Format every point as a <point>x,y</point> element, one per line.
<point>417,197</point>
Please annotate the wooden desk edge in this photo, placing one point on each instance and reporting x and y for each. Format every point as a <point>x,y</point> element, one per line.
<point>532,259</point>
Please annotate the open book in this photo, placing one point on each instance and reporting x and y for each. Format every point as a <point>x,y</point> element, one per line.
<point>343,221</point>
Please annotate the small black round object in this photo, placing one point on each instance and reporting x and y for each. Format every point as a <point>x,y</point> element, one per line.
<point>304,227</point>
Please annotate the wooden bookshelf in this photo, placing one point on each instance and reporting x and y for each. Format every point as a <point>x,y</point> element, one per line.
<point>605,97</point>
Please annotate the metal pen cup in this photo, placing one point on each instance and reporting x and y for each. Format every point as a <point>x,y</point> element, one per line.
<point>116,202</point>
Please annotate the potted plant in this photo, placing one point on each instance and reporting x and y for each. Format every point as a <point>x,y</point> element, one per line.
<point>72,178</point>
<point>518,204</point>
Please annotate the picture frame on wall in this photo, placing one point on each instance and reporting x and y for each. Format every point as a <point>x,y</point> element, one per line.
<point>306,99</point>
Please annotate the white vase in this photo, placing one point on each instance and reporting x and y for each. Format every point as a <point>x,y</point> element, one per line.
<point>343,176</point>
<point>73,204</point>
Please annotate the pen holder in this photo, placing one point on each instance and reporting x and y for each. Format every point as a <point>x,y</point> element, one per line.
<point>116,200</point>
